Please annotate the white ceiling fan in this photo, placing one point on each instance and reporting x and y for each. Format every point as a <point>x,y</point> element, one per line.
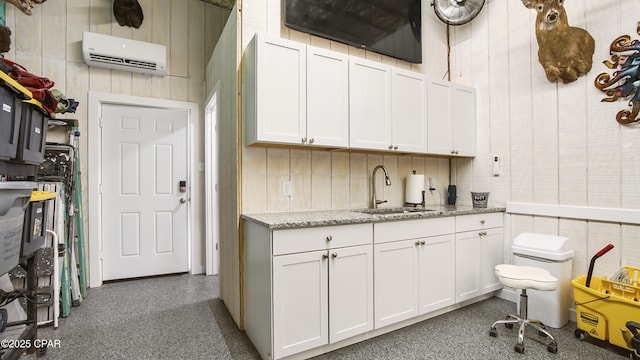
<point>457,12</point>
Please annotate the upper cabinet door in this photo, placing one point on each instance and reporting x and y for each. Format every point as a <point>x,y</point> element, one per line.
<point>327,98</point>
<point>438,118</point>
<point>275,90</point>
<point>408,111</point>
<point>463,121</point>
<point>369,105</point>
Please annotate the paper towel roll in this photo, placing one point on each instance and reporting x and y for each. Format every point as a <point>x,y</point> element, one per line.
<point>415,186</point>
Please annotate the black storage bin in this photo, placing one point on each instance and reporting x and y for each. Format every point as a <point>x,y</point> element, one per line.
<point>11,97</point>
<point>34,231</point>
<point>33,133</point>
<point>14,199</point>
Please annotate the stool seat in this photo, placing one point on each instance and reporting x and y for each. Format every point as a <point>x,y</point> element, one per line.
<point>525,277</point>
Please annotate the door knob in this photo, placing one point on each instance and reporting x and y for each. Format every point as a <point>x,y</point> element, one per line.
<point>183,200</point>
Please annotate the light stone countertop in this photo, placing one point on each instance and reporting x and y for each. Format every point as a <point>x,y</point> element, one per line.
<point>306,219</point>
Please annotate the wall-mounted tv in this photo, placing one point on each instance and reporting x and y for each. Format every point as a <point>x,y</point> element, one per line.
<point>389,27</point>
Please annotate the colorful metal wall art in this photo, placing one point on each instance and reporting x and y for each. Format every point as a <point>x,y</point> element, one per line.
<point>625,81</point>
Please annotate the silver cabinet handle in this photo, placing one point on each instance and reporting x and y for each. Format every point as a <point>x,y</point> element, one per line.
<point>482,221</point>
<point>329,238</point>
<point>183,200</point>
<point>304,140</point>
<point>422,242</point>
<point>325,256</point>
<point>482,233</point>
<point>334,255</point>
<point>311,141</point>
<point>390,147</point>
<point>417,243</point>
<point>395,147</point>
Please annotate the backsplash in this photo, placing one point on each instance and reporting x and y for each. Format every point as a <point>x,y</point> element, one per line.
<point>322,179</point>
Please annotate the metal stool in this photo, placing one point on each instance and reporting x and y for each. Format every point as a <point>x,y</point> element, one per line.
<point>523,278</point>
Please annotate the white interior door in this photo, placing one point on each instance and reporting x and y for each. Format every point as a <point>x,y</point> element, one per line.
<point>144,210</point>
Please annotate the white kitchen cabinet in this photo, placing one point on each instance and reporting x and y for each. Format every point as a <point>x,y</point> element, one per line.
<point>369,105</point>
<point>327,98</point>
<point>320,291</point>
<point>408,111</point>
<point>307,285</point>
<point>451,119</point>
<point>463,120</point>
<point>414,268</point>
<point>479,248</point>
<point>437,259</point>
<point>274,90</point>
<point>300,306</point>
<point>396,282</point>
<point>350,291</point>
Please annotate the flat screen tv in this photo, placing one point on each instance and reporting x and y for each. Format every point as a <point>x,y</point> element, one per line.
<point>389,27</point>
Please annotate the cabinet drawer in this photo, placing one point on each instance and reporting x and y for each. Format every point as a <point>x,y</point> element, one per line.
<point>479,221</point>
<point>320,238</point>
<point>413,229</point>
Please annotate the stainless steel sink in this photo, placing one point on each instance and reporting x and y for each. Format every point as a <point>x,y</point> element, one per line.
<point>388,211</point>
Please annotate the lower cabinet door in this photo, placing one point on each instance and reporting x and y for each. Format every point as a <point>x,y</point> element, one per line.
<point>300,302</point>
<point>396,281</point>
<point>437,272</point>
<point>350,292</point>
<point>468,269</point>
<point>492,255</point>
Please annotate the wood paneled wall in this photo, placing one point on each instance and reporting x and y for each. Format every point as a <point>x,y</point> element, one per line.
<point>558,143</point>
<point>48,43</point>
<point>222,77</point>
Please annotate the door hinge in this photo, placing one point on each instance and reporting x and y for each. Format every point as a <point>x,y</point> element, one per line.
<point>100,189</point>
<point>216,246</point>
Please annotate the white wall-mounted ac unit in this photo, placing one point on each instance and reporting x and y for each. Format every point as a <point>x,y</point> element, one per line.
<point>124,54</point>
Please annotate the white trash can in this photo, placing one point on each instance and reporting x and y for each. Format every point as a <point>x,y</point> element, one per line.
<point>554,254</point>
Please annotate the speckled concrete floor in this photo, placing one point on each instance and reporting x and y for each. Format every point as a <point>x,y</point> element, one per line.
<point>180,317</point>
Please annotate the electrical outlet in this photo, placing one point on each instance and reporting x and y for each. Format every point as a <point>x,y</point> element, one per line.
<point>286,188</point>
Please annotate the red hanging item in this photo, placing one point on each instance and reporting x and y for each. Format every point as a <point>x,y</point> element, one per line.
<point>38,85</point>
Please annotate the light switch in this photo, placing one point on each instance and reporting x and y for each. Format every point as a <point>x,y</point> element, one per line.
<point>286,188</point>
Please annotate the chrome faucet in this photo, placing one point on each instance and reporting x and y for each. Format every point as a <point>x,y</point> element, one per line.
<point>375,202</point>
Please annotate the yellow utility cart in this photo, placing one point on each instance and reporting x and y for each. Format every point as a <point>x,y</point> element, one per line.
<point>608,310</point>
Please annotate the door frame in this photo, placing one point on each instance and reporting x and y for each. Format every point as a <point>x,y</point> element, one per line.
<point>212,233</point>
<point>195,169</point>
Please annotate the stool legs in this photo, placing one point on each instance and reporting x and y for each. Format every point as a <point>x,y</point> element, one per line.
<point>523,321</point>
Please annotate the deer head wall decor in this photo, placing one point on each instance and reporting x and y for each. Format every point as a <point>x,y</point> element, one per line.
<point>565,52</point>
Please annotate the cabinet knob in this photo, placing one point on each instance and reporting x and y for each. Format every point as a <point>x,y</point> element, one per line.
<point>422,242</point>
<point>417,243</point>
<point>395,147</point>
<point>334,255</point>
<point>390,147</point>
<point>304,140</point>
<point>482,221</point>
<point>329,238</point>
<point>482,233</point>
<point>325,256</point>
<point>311,140</point>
